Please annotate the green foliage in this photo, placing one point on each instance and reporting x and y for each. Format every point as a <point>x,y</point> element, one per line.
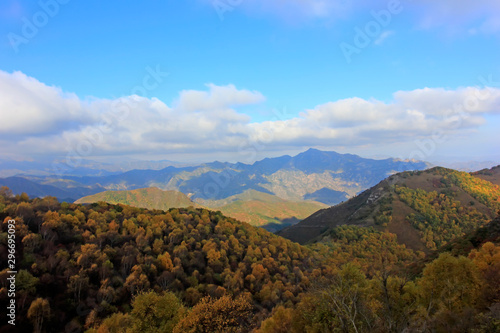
<point>482,190</point>
<point>397,302</point>
<point>99,257</point>
<point>449,283</point>
<point>218,315</point>
<point>342,304</point>
<point>374,251</point>
<point>448,294</point>
<point>439,218</point>
<point>116,268</point>
<point>154,313</point>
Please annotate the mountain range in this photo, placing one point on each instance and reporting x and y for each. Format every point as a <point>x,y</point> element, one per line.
<point>328,177</point>
<point>272,192</point>
<point>389,252</point>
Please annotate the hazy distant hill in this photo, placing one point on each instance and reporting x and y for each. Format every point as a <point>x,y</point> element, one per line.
<point>425,209</point>
<point>62,190</point>
<point>264,210</point>
<point>151,198</point>
<point>327,177</point>
<point>327,196</point>
<point>257,208</point>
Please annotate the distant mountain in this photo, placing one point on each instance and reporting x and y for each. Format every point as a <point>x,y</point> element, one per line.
<point>67,192</point>
<point>46,168</point>
<point>425,209</point>
<point>327,196</point>
<point>290,178</point>
<point>322,176</point>
<point>264,210</point>
<point>151,198</point>
<point>256,208</point>
<point>468,166</point>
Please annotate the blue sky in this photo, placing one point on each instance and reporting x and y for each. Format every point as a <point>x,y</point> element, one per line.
<point>248,79</point>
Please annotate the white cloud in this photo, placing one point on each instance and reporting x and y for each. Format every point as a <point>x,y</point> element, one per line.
<point>411,115</point>
<point>217,97</point>
<point>29,106</point>
<point>50,122</point>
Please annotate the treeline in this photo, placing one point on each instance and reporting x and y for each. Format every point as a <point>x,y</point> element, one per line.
<point>439,218</point>
<point>372,251</point>
<point>114,268</point>
<point>453,294</point>
<point>86,262</point>
<point>484,191</point>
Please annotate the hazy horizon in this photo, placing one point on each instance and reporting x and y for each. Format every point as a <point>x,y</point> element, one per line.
<point>199,81</point>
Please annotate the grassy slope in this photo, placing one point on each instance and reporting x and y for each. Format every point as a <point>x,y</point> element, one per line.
<point>263,209</point>
<point>151,198</point>
<point>270,214</point>
<point>254,207</point>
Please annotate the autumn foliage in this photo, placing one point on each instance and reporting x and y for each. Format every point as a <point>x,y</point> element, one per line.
<point>114,268</point>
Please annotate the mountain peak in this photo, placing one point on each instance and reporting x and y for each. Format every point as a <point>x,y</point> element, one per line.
<point>317,152</point>
<point>313,151</point>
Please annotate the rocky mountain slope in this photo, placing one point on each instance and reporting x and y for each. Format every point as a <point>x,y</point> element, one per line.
<point>425,209</point>
<point>323,176</point>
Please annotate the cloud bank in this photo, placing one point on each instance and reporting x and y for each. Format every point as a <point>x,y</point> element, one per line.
<point>37,119</point>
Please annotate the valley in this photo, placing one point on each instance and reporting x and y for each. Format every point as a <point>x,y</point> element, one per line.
<point>425,209</point>
<point>223,166</point>
<point>99,266</point>
<point>271,193</point>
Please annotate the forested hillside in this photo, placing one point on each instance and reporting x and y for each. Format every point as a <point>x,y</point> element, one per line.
<point>256,208</point>
<point>116,268</point>
<point>425,209</point>
<point>97,257</point>
<point>492,175</point>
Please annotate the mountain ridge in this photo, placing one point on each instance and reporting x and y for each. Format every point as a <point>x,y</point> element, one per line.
<point>414,205</point>
<point>150,198</point>
<point>289,177</point>
<point>256,208</point>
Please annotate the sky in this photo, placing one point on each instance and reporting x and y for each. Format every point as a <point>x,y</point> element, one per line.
<point>240,80</point>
